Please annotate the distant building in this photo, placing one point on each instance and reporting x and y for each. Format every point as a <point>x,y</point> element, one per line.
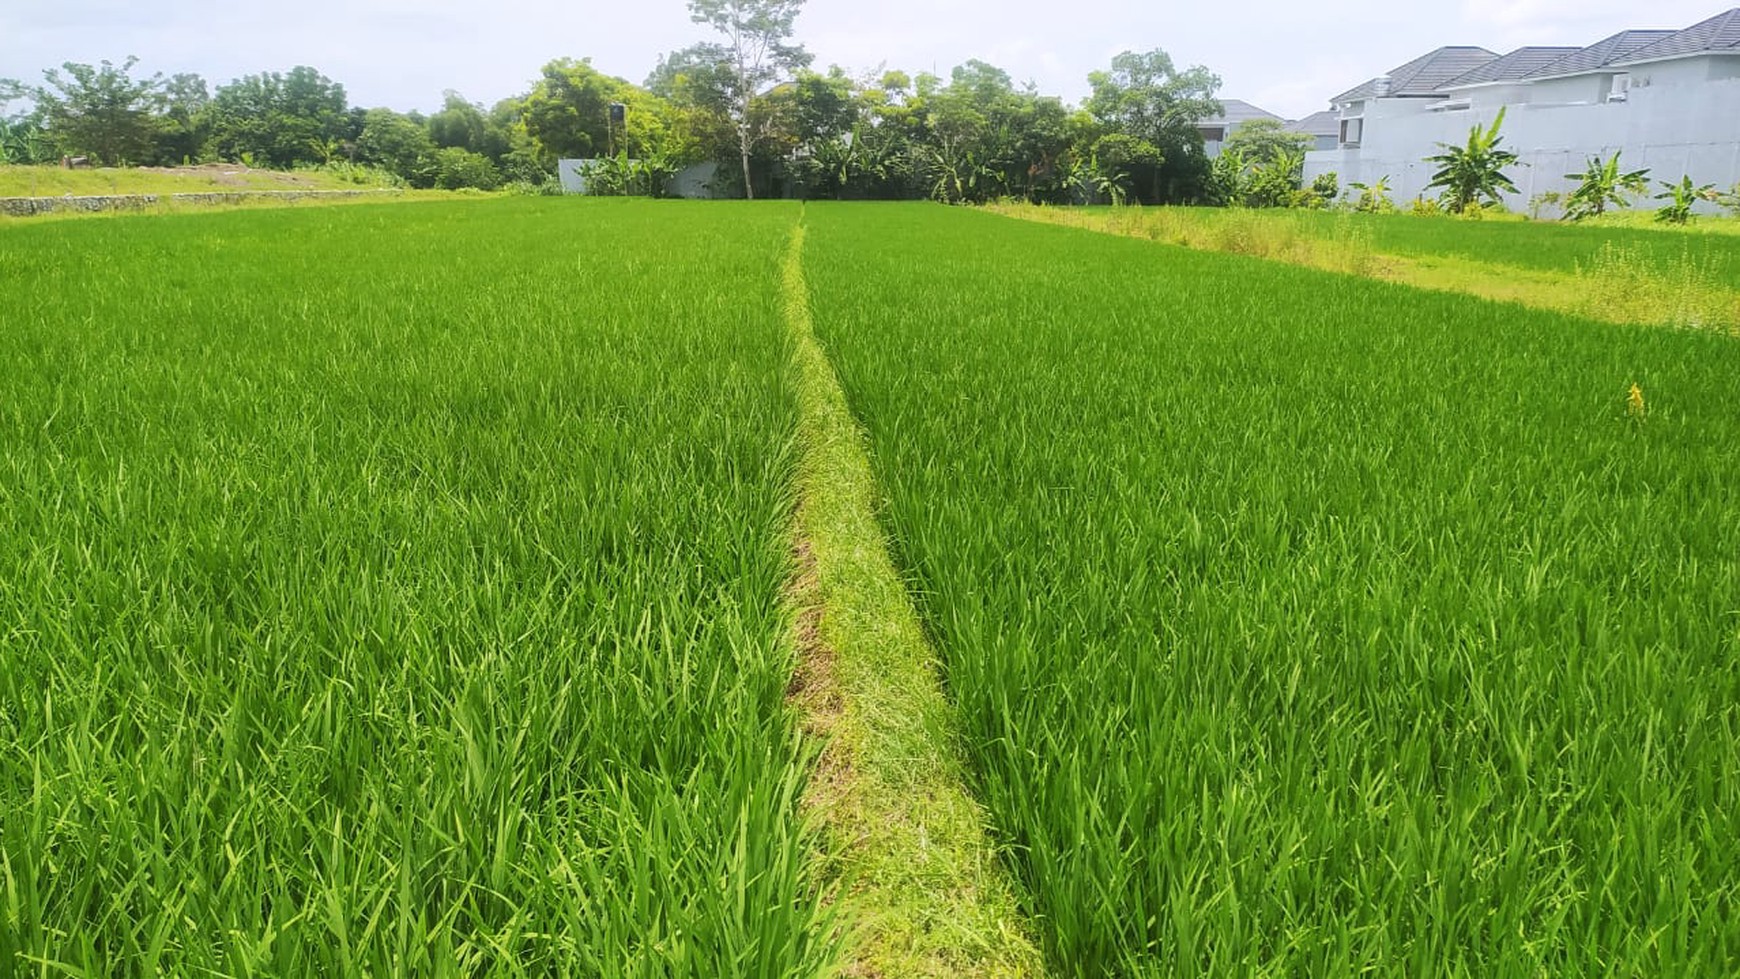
<point>1324,127</point>
<point>1669,100</point>
<point>1234,113</point>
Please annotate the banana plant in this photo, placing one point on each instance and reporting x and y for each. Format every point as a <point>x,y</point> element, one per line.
<point>1680,199</point>
<point>956,176</point>
<point>1474,172</point>
<point>1600,185</point>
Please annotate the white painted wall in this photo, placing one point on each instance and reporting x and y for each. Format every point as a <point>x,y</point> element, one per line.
<point>695,181</point>
<point>1680,123</point>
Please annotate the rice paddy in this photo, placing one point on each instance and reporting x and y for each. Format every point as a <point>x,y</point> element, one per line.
<point>1306,625</point>
<point>424,591</point>
<point>397,591</point>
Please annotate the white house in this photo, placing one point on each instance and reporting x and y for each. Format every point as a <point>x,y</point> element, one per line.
<point>1668,100</point>
<point>1323,127</point>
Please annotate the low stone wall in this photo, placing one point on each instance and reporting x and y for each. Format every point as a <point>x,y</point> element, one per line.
<point>27,206</point>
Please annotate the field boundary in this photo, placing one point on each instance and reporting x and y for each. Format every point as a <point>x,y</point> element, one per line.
<point>21,207</point>
<point>908,848</point>
<point>1618,288</point>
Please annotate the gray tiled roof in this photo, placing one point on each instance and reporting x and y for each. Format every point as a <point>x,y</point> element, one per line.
<point>1509,68</point>
<point>1601,54</point>
<point>1236,111</point>
<point>1325,123</point>
<point>1424,74</point>
<point>1719,34</point>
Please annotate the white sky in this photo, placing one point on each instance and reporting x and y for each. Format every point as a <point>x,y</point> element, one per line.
<point>1287,56</point>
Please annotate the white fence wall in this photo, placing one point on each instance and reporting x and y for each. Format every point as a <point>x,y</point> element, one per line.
<point>1674,130</point>
<point>693,181</point>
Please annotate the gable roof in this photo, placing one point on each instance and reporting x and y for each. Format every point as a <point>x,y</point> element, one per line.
<point>1325,123</point>
<point>1424,74</point>
<point>1236,111</point>
<point>1601,54</point>
<point>1718,35</point>
<point>1512,67</point>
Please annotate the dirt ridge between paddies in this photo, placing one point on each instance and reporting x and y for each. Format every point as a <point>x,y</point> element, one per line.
<point>907,847</point>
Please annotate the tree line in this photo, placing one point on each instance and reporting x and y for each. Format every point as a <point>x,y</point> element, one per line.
<point>751,100</point>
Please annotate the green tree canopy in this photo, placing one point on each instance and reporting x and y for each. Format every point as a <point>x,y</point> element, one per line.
<point>184,127</point>
<point>567,114</point>
<point>101,111</point>
<point>1144,95</point>
<point>755,52</point>
<point>1263,141</point>
<point>397,143</point>
<point>280,119</point>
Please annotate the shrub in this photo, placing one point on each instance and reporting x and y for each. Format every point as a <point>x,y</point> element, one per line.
<point>1374,198</point>
<point>457,168</point>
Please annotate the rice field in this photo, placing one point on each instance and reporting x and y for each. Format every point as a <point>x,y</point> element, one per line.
<point>412,591</point>
<point>396,591</point>
<point>1307,625</point>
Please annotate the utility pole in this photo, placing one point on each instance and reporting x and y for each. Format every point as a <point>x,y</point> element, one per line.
<point>618,117</point>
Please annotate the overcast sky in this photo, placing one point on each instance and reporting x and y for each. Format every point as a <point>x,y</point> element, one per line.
<point>1286,56</point>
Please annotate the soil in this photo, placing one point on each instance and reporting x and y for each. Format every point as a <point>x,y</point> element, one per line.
<point>238,176</point>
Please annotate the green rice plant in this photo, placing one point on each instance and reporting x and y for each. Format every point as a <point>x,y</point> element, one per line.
<point>1307,625</point>
<point>397,591</point>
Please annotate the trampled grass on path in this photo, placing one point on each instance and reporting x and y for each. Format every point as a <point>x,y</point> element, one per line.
<point>924,894</point>
<point>1307,625</point>
<point>398,591</point>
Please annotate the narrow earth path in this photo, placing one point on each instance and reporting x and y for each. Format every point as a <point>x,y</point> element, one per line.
<point>907,846</point>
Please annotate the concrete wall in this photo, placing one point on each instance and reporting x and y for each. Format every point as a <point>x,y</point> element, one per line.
<point>1673,129</point>
<point>694,182</point>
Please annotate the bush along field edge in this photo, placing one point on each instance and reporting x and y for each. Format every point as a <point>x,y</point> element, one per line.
<point>907,847</point>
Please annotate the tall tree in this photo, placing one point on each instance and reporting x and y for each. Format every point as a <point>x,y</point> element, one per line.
<point>568,111</point>
<point>280,119</point>
<point>101,110</point>
<point>758,53</point>
<point>459,124</point>
<point>1146,96</point>
<point>183,127</point>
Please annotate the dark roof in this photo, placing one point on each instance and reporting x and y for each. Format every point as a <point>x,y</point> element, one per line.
<point>1424,74</point>
<point>1718,35</point>
<point>1236,111</point>
<point>1325,123</point>
<point>1600,54</point>
<point>1509,68</point>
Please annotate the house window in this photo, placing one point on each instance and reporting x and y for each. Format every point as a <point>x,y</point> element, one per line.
<point>1351,131</point>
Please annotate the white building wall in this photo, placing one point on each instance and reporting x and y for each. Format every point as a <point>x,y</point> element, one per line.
<point>1578,90</point>
<point>1673,127</point>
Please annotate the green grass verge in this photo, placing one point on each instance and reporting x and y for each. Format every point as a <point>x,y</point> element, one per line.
<point>55,181</point>
<point>906,841</point>
<point>1655,277</point>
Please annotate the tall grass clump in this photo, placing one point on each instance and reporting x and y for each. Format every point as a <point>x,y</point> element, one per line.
<point>1687,291</point>
<point>396,591</point>
<point>1304,624</point>
<point>1332,242</point>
